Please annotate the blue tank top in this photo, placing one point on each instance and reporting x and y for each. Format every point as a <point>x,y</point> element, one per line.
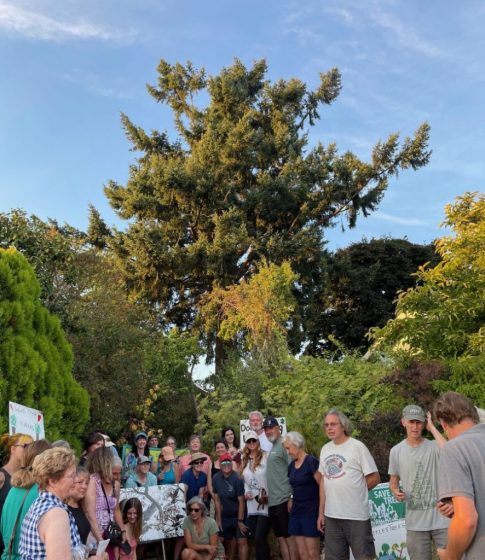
<point>168,476</point>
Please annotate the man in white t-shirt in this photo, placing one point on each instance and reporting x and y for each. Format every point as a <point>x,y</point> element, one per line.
<point>413,467</point>
<point>256,424</point>
<point>349,472</point>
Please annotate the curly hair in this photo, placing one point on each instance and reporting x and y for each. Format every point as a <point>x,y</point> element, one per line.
<point>52,464</point>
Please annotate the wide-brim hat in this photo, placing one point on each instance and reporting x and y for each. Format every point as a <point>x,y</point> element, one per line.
<point>167,453</point>
<point>197,457</point>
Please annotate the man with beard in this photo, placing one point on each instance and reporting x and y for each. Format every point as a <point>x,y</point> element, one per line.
<point>279,489</point>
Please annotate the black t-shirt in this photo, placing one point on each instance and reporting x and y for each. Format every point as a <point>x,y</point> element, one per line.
<point>82,522</point>
<point>228,489</point>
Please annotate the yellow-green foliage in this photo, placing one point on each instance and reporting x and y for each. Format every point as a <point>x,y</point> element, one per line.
<point>444,316</point>
<point>35,357</point>
<point>258,307</point>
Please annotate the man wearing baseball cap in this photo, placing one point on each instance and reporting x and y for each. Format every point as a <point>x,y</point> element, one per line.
<point>413,467</point>
<point>279,489</point>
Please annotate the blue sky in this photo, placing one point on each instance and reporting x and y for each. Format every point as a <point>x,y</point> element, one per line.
<point>68,67</point>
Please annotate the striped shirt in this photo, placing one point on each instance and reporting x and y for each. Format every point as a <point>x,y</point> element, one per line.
<point>31,547</point>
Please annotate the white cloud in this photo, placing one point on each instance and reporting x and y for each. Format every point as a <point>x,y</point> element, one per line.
<point>39,26</point>
<point>91,83</point>
<point>400,220</point>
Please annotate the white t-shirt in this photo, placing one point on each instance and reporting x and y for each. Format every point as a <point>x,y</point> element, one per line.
<point>253,482</point>
<point>344,467</point>
<point>264,442</point>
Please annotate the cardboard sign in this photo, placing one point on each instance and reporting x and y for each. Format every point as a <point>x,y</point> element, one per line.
<point>245,427</point>
<point>25,420</point>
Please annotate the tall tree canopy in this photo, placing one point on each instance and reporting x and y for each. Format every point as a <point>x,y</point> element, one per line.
<point>35,358</point>
<point>362,285</point>
<point>240,184</point>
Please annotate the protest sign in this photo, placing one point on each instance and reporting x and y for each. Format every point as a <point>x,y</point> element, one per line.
<point>388,526</point>
<point>25,420</point>
<point>245,427</point>
<point>163,510</point>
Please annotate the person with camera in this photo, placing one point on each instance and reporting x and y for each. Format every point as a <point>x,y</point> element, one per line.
<point>253,472</point>
<point>101,503</point>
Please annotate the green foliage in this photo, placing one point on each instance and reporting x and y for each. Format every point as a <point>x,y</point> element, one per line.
<point>170,401</point>
<point>360,290</point>
<point>240,184</point>
<point>305,389</point>
<point>35,357</point>
<point>466,377</point>
<point>444,316</point>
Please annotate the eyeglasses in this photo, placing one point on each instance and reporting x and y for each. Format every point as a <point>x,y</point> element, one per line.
<point>194,510</point>
<point>251,440</point>
<point>198,462</point>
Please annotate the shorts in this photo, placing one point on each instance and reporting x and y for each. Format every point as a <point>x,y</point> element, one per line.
<point>299,526</point>
<point>278,518</point>
<point>342,534</point>
<point>420,543</point>
<point>230,529</point>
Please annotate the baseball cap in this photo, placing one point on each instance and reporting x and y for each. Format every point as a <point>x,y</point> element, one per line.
<point>250,435</point>
<point>225,457</point>
<point>413,412</point>
<point>270,422</point>
<point>143,459</point>
<point>140,434</point>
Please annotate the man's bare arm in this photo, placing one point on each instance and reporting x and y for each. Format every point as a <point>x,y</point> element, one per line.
<point>372,480</point>
<point>461,530</point>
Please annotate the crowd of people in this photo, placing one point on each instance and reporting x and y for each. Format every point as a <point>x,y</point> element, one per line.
<point>55,507</point>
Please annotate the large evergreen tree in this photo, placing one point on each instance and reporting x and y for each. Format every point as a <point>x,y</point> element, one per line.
<point>240,184</point>
<point>35,358</point>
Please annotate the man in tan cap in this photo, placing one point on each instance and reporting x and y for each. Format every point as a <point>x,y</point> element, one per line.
<point>413,465</point>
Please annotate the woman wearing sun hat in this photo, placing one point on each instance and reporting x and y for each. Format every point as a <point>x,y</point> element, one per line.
<point>168,470</point>
<point>195,479</point>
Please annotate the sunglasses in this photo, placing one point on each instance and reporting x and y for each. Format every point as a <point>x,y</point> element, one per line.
<point>194,510</point>
<point>198,462</point>
<point>226,462</point>
<point>24,445</point>
<point>251,440</point>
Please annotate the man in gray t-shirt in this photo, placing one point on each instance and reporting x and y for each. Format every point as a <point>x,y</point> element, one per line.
<point>413,471</point>
<point>461,476</point>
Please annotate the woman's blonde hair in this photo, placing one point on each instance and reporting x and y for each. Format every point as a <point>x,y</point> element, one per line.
<point>52,464</point>
<point>254,464</point>
<point>100,461</point>
<point>8,441</point>
<point>24,478</point>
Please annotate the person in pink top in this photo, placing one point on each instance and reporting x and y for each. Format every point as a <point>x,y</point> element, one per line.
<point>194,446</point>
<point>132,513</point>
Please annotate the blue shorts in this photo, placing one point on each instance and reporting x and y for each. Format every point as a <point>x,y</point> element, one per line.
<point>303,526</point>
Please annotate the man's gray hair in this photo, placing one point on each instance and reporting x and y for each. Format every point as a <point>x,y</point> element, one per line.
<point>256,413</point>
<point>344,421</point>
<point>296,439</point>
